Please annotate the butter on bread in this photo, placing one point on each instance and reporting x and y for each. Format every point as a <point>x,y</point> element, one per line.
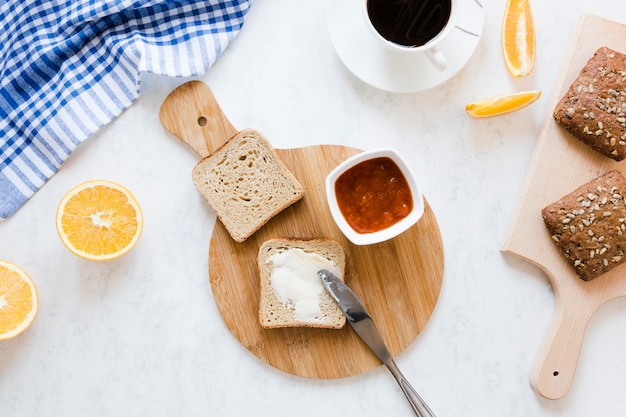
<point>246,183</point>
<point>299,298</point>
<point>594,108</point>
<point>588,225</point>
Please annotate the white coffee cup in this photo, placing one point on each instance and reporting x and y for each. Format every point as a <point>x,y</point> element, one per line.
<point>422,12</point>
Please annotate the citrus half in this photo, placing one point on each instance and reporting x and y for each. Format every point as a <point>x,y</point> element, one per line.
<point>518,38</point>
<point>18,300</point>
<point>99,220</point>
<point>494,106</point>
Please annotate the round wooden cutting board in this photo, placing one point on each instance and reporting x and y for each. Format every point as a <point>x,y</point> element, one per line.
<point>398,281</point>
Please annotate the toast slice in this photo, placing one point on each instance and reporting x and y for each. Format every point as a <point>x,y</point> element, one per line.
<point>291,293</point>
<point>246,183</point>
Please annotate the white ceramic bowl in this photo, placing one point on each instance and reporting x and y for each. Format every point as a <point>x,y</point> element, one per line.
<point>391,231</point>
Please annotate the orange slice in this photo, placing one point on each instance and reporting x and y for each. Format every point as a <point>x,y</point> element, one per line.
<point>18,300</point>
<point>518,38</point>
<point>99,220</point>
<point>494,106</point>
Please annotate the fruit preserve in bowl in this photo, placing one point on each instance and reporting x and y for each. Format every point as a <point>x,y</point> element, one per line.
<point>373,196</point>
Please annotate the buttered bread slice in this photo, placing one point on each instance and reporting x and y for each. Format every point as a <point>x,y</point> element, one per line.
<point>246,183</point>
<point>291,293</point>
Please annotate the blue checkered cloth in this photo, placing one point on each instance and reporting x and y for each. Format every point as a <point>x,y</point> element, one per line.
<point>68,67</point>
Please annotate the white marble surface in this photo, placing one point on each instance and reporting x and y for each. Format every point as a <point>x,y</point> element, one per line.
<point>141,336</point>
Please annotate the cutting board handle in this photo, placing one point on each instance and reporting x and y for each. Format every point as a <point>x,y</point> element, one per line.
<point>557,359</point>
<point>192,114</point>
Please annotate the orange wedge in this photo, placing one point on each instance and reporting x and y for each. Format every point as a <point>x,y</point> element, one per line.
<point>518,38</point>
<point>494,106</point>
<point>99,220</point>
<point>18,300</point>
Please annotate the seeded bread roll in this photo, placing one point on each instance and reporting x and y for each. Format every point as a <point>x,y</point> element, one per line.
<point>589,225</point>
<point>287,296</point>
<point>246,183</point>
<point>594,107</point>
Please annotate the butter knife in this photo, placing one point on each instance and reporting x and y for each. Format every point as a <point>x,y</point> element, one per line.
<point>362,323</point>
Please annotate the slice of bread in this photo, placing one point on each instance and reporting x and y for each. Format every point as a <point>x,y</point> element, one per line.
<point>594,108</point>
<point>246,183</point>
<point>292,295</point>
<point>588,225</point>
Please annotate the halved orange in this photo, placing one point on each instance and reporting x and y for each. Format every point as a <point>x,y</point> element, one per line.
<point>518,38</point>
<point>99,220</point>
<point>494,106</point>
<point>18,300</point>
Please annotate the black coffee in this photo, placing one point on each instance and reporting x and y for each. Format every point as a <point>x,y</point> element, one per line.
<point>409,22</point>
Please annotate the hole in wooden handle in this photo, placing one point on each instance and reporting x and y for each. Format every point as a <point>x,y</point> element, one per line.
<point>202,121</point>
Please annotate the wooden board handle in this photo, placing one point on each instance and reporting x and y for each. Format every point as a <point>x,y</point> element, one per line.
<point>192,113</point>
<point>556,361</point>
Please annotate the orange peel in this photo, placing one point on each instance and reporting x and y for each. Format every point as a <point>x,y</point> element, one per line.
<point>518,38</point>
<point>99,220</point>
<point>18,300</point>
<point>495,106</point>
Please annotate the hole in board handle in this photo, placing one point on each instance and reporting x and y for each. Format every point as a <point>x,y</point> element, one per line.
<point>555,374</point>
<point>202,121</point>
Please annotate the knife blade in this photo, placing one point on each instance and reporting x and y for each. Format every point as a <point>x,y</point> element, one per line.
<point>364,326</point>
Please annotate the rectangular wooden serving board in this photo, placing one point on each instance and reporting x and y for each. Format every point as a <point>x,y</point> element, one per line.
<point>559,164</point>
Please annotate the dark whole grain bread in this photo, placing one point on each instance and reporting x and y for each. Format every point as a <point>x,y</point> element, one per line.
<point>589,225</point>
<point>594,107</point>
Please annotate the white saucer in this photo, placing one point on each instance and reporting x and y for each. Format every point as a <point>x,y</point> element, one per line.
<point>395,72</point>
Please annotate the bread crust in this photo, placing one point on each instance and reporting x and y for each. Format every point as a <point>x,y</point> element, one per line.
<point>594,107</point>
<point>589,225</point>
<point>246,183</point>
<point>275,314</point>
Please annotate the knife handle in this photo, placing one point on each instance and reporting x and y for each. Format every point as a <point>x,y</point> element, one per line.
<point>420,408</point>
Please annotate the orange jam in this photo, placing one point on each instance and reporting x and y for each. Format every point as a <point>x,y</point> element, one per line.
<point>373,195</point>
